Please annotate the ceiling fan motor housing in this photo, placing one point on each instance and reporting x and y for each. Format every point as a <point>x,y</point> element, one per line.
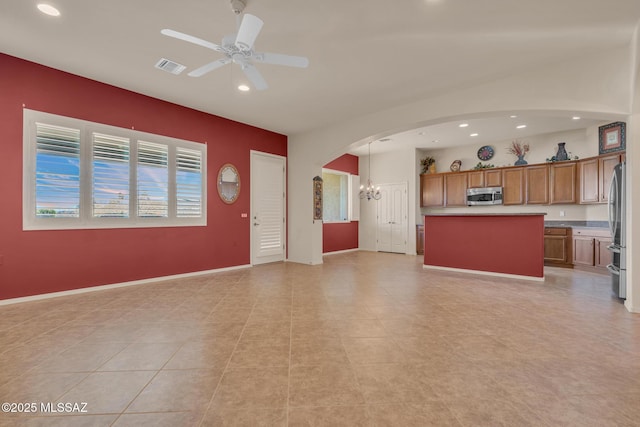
<point>238,6</point>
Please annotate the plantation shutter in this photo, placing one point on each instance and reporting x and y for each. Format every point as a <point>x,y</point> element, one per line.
<point>153,180</point>
<point>57,183</point>
<point>188,183</point>
<point>110,186</point>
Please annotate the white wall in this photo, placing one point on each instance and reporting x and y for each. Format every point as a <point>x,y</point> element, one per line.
<point>388,168</point>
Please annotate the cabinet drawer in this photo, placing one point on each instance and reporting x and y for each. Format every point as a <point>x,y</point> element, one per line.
<point>555,231</point>
<point>591,232</point>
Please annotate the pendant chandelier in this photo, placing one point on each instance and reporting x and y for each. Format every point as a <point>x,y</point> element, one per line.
<point>371,192</point>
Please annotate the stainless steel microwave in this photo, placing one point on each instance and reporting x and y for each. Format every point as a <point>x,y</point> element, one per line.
<point>484,196</point>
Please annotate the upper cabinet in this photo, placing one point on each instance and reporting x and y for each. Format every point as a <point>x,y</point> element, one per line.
<point>432,190</point>
<point>562,179</point>
<point>595,177</point>
<point>513,186</point>
<point>455,189</point>
<point>537,182</point>
<point>476,179</point>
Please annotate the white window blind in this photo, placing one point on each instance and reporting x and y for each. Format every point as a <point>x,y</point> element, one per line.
<point>57,172</point>
<point>80,174</point>
<point>110,187</point>
<point>188,183</point>
<point>153,180</point>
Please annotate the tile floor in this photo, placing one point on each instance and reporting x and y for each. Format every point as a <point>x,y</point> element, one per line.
<point>364,339</point>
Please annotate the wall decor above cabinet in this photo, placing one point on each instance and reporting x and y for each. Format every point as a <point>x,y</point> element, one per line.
<point>612,137</point>
<point>486,152</point>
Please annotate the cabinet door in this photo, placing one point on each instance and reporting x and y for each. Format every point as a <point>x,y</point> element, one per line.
<point>513,186</point>
<point>455,189</point>
<point>588,174</point>
<point>493,178</point>
<point>562,183</point>
<point>583,250</point>
<point>476,179</point>
<point>537,181</point>
<point>555,249</point>
<point>606,165</point>
<point>603,256</point>
<point>420,239</point>
<point>432,190</point>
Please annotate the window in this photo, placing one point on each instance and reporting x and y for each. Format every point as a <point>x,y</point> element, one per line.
<point>335,203</point>
<point>79,174</point>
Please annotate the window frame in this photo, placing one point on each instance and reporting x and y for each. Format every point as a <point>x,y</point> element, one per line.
<point>349,198</point>
<point>86,220</point>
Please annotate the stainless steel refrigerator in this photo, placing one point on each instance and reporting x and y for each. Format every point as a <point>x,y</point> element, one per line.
<point>617,224</point>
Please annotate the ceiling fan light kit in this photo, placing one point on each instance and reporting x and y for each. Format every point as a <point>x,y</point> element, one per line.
<point>238,48</point>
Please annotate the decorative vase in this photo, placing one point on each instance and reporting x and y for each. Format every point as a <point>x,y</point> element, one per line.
<point>432,168</point>
<point>520,161</point>
<point>562,152</point>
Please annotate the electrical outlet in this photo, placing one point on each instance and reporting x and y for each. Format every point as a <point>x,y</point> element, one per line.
<point>561,213</point>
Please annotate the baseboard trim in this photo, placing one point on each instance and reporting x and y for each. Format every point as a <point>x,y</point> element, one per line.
<point>483,273</point>
<point>631,308</point>
<point>344,251</point>
<point>118,285</point>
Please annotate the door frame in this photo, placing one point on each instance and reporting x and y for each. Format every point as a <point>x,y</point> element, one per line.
<point>252,156</point>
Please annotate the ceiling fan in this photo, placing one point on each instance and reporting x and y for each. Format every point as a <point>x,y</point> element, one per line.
<point>238,48</point>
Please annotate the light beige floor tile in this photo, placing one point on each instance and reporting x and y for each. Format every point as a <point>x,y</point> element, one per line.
<point>245,417</point>
<point>391,383</point>
<point>70,421</point>
<point>333,416</point>
<point>212,354</point>
<point>313,351</point>
<point>435,414</point>
<point>267,352</point>
<point>141,357</point>
<point>373,350</point>
<point>177,390</point>
<point>326,385</point>
<point>252,388</point>
<point>159,419</point>
<point>82,357</point>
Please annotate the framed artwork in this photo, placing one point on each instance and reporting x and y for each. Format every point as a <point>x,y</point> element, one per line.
<point>612,137</point>
<point>317,198</point>
<point>228,183</point>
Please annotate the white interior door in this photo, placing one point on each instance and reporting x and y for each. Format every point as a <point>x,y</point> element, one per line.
<point>268,222</point>
<point>392,218</point>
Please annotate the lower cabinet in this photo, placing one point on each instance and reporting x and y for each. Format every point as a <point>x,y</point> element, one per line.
<point>590,248</point>
<point>557,246</point>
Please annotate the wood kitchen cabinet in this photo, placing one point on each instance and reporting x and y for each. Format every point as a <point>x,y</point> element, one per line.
<point>420,239</point>
<point>562,178</point>
<point>455,189</point>
<point>432,190</point>
<point>493,178</point>
<point>513,186</point>
<point>475,179</point>
<point>537,184</point>
<point>595,177</point>
<point>590,248</point>
<point>557,246</point>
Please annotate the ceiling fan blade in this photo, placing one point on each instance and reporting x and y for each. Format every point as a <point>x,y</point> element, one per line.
<point>209,67</point>
<point>254,77</point>
<point>248,32</point>
<point>280,59</point>
<point>191,39</point>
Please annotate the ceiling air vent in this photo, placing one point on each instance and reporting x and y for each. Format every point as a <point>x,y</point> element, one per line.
<point>170,66</point>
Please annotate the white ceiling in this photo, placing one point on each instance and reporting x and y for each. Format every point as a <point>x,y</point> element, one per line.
<point>365,56</point>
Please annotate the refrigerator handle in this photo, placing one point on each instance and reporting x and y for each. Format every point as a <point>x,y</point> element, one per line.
<point>613,216</point>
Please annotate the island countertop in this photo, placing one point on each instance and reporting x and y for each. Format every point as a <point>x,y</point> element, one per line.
<point>488,214</point>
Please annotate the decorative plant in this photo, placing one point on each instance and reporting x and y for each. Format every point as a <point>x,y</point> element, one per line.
<point>518,149</point>
<point>553,158</point>
<point>482,166</point>
<point>426,162</point>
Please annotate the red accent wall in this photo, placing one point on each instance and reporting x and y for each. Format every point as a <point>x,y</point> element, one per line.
<point>36,262</point>
<point>496,243</point>
<point>343,235</point>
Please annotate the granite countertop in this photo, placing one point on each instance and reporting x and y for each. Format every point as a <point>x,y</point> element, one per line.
<point>577,224</point>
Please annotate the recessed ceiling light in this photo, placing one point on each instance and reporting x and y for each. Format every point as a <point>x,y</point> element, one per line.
<point>512,117</point>
<point>473,134</point>
<point>463,125</point>
<point>435,140</point>
<point>244,88</point>
<point>48,9</point>
<point>521,126</point>
<point>575,118</point>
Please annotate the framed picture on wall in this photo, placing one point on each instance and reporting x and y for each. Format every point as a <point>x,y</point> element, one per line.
<point>612,137</point>
<point>317,198</point>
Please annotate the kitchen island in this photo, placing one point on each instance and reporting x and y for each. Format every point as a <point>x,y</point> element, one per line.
<point>510,245</point>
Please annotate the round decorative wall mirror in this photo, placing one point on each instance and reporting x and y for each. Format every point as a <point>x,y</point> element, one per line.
<point>228,183</point>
